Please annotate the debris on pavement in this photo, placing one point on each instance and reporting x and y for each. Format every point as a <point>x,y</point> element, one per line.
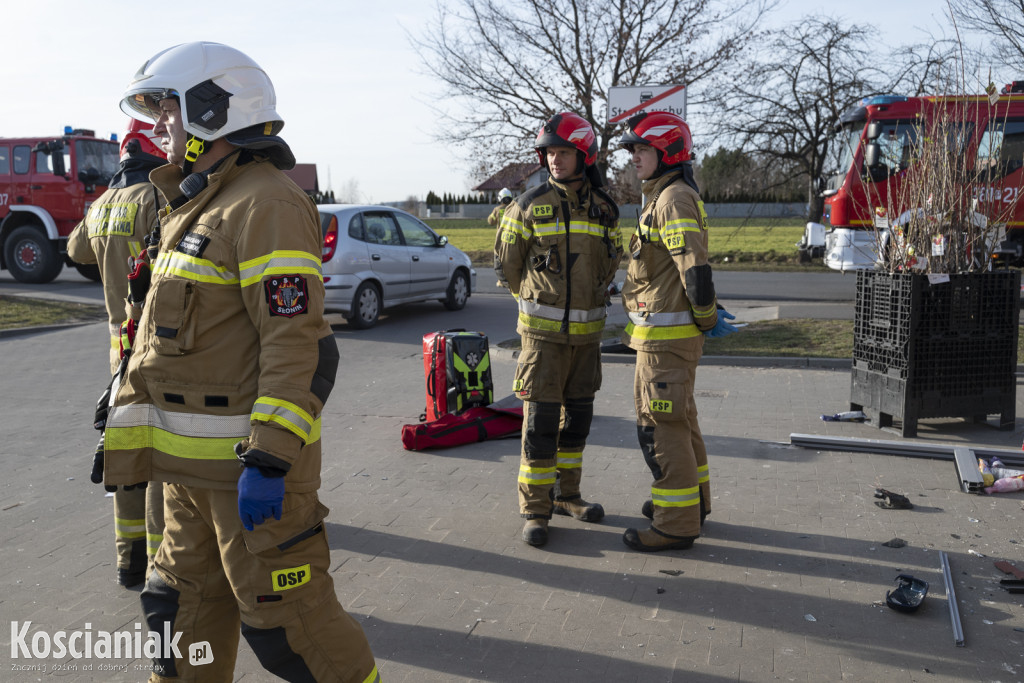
<point>848,416</point>
<point>909,593</point>
<point>1008,568</point>
<point>892,501</point>
<point>895,543</point>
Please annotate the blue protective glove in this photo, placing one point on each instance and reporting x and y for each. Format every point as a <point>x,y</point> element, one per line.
<point>259,497</point>
<point>721,328</point>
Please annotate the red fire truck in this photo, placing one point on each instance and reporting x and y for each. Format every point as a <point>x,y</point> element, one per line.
<point>874,145</point>
<point>46,186</point>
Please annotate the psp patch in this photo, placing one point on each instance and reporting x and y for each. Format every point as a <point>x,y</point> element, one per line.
<point>287,295</point>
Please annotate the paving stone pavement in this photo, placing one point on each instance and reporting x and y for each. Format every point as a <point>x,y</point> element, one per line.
<point>787,583</point>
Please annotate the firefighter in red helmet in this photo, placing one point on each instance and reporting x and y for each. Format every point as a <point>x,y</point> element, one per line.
<point>112,236</point>
<point>670,299</point>
<point>557,251</point>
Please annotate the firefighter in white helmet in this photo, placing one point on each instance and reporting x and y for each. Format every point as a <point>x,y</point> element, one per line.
<point>226,382</point>
<point>557,251</point>
<point>112,235</point>
<point>670,299</point>
<point>504,199</point>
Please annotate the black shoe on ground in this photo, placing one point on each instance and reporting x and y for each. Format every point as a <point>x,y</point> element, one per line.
<point>652,540</point>
<point>535,532</point>
<point>580,509</point>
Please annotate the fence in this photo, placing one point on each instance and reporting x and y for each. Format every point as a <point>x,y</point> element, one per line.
<point>628,211</point>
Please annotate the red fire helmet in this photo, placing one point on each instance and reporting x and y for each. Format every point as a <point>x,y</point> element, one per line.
<point>666,132</point>
<point>142,131</point>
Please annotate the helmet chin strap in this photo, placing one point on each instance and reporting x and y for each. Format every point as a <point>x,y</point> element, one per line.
<point>193,149</point>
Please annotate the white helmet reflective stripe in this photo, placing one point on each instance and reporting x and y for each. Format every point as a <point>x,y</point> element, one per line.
<point>220,89</point>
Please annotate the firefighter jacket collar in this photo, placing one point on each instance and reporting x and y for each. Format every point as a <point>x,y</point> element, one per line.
<point>577,198</point>
<point>654,187</point>
<point>134,170</point>
<point>168,180</point>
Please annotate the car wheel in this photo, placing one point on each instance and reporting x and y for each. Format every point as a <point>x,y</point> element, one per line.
<point>90,271</point>
<point>30,256</point>
<point>458,292</point>
<point>365,306</point>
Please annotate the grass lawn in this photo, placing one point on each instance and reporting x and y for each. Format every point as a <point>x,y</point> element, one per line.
<point>796,337</point>
<point>757,244</point>
<point>16,311</point>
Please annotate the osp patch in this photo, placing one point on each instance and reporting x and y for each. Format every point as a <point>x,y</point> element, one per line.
<point>287,295</point>
<point>293,577</point>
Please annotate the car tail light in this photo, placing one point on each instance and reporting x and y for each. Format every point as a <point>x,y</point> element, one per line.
<point>330,240</point>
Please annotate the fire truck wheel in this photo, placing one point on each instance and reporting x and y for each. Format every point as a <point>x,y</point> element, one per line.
<point>30,256</point>
<point>458,292</point>
<point>365,307</point>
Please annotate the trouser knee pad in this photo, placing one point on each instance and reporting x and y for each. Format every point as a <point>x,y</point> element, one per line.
<point>159,607</point>
<point>578,413</point>
<point>275,654</point>
<point>540,441</point>
<point>645,435</point>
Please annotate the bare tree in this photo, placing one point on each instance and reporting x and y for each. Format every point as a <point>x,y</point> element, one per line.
<point>1002,20</point>
<point>785,104</point>
<point>508,65</point>
<point>350,193</point>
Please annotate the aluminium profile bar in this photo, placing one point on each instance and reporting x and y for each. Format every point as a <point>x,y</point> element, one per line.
<point>914,449</point>
<point>964,458</point>
<point>967,471</point>
<point>954,611</point>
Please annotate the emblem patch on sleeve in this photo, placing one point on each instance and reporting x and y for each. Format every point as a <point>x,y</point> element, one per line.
<point>543,211</point>
<point>287,295</point>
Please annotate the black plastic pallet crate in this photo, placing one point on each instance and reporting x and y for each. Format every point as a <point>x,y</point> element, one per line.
<point>943,349</point>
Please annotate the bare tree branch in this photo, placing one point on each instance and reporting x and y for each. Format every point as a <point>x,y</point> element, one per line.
<point>786,103</point>
<point>1003,20</point>
<point>507,65</point>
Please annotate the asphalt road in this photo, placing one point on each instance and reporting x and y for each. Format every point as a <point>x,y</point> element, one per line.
<point>751,295</point>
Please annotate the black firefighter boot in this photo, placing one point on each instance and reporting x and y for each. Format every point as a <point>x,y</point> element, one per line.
<point>535,531</point>
<point>135,573</point>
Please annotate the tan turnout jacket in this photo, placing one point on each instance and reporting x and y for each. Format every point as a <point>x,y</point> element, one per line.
<point>669,295</point>
<point>232,343</point>
<point>111,235</point>
<point>557,252</point>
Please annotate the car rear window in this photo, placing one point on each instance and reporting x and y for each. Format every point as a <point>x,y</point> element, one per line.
<point>355,228</point>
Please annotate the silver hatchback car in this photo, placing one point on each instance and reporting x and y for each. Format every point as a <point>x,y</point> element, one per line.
<point>375,257</point>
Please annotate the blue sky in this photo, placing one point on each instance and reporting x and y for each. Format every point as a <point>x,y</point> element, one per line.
<point>350,88</point>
